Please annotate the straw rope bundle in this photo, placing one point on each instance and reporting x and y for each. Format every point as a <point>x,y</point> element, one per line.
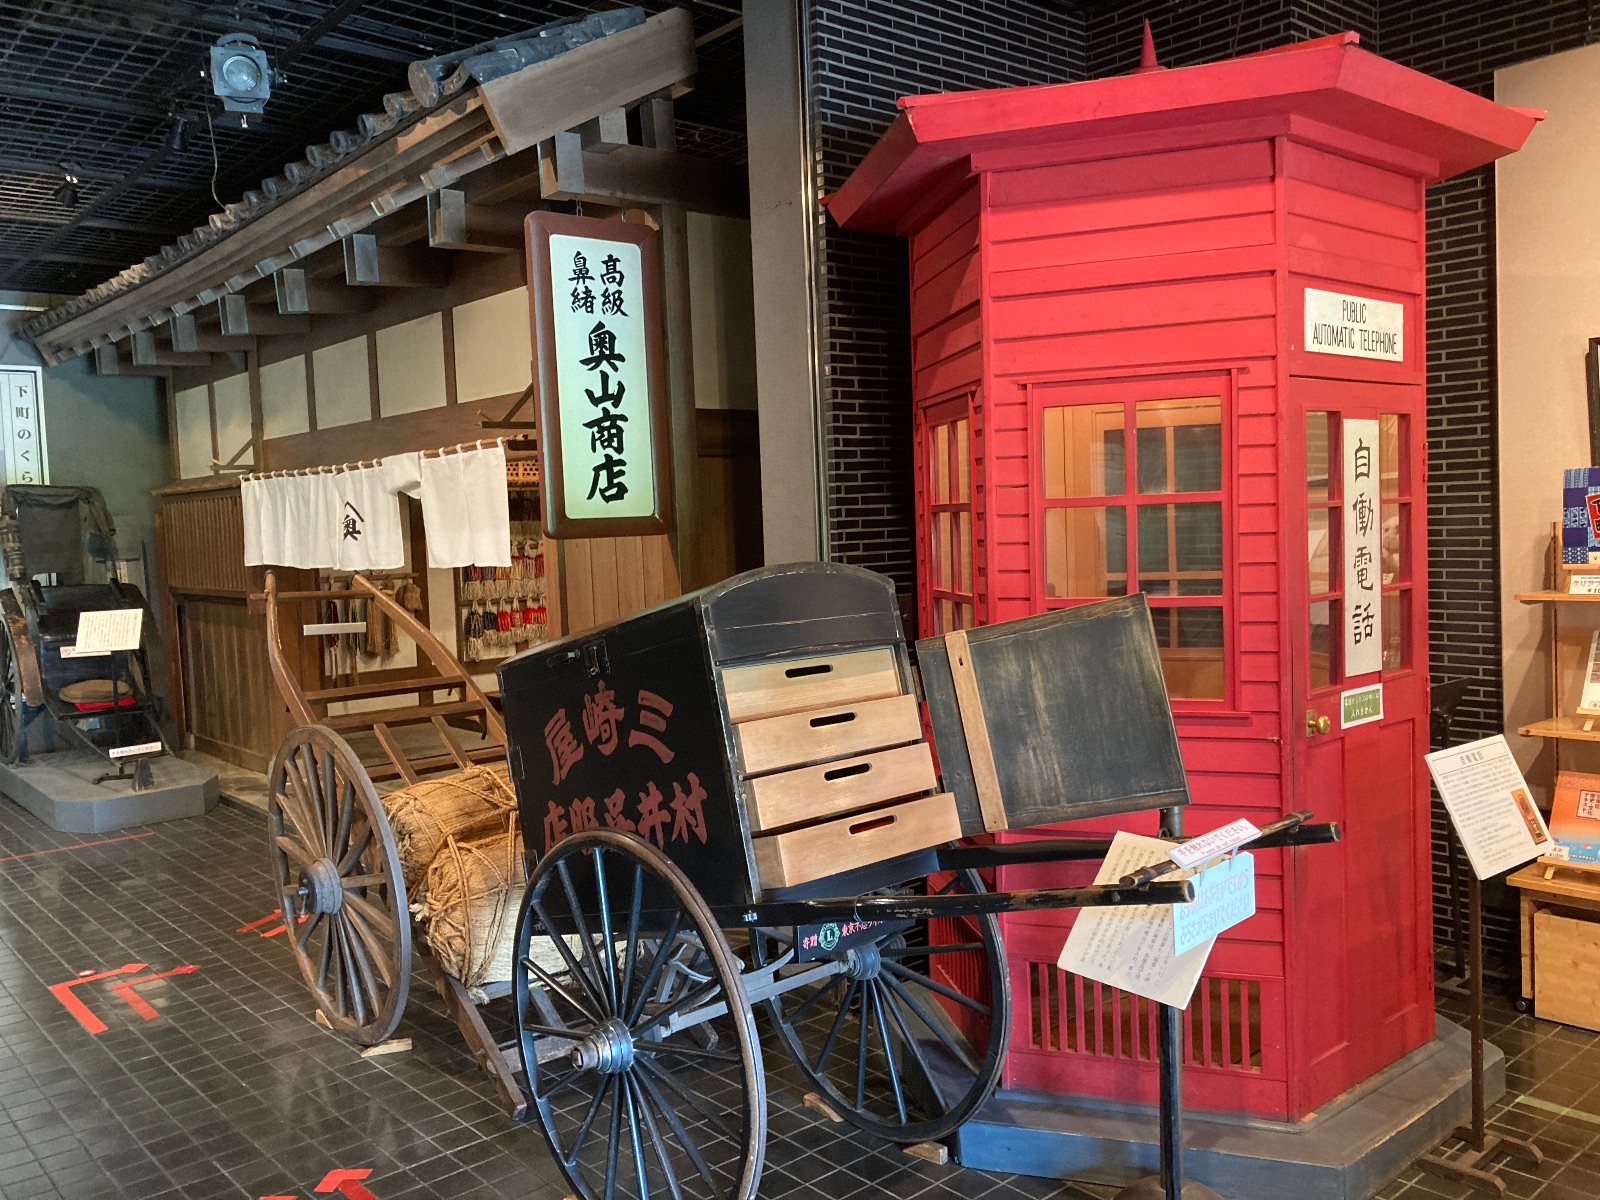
<point>426,815</point>
<point>474,890</point>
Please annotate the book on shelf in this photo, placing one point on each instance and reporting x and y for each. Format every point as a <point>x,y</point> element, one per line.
<point>1580,517</point>
<point>1575,817</point>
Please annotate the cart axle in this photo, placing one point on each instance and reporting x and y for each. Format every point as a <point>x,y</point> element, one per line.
<point>608,1050</point>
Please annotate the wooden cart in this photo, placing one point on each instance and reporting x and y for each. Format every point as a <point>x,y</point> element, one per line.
<point>336,867</point>
<point>736,805</point>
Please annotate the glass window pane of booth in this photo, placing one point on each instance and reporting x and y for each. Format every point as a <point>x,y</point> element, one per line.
<point>1083,451</point>
<point>1085,552</point>
<point>1180,445</point>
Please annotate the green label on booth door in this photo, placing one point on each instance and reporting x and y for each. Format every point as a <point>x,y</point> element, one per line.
<point>1360,705</point>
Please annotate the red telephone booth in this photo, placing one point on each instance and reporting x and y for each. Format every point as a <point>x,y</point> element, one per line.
<point>1167,335</point>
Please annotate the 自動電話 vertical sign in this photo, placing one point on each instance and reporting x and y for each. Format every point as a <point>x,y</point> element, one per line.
<point>1363,550</point>
<point>596,322</point>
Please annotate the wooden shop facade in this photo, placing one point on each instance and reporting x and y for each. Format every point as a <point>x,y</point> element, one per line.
<point>372,300</point>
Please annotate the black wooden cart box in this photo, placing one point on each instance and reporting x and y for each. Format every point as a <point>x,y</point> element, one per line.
<point>763,732</point>
<point>766,732</point>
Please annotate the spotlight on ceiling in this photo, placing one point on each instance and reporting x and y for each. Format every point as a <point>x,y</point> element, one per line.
<point>240,75</point>
<point>66,192</point>
<point>178,139</point>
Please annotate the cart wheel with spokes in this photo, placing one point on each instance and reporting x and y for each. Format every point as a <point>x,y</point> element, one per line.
<point>906,1039</point>
<point>628,992</point>
<point>11,700</point>
<point>339,884</point>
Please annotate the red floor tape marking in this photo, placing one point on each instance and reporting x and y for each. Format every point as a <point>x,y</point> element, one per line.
<point>257,923</point>
<point>346,1183</point>
<point>124,989</point>
<point>132,837</point>
<point>63,992</point>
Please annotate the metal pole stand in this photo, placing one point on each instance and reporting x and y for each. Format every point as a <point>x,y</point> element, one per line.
<point>1170,1184</point>
<point>1474,1165</point>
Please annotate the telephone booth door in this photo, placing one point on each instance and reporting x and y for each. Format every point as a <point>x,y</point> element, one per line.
<point>1358,608</point>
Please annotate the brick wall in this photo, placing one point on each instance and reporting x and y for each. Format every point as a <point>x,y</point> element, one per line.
<point>865,55</point>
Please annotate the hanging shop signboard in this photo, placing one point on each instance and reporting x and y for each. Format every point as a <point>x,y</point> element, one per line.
<point>595,292</point>
<point>1363,551</point>
<point>22,426</point>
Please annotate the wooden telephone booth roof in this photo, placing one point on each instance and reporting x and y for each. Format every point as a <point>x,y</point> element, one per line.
<point>1327,91</point>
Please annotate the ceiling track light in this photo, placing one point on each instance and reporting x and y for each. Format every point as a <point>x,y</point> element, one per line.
<point>66,193</point>
<point>178,138</point>
<point>241,76</point>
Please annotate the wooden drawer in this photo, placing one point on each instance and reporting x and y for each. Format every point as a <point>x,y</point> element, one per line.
<point>834,788</point>
<point>788,685</point>
<point>801,855</point>
<point>773,743</point>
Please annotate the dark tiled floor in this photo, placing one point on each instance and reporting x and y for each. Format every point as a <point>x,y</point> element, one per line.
<point>231,1091</point>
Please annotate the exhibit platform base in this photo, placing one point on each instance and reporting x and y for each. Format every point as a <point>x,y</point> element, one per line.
<point>59,788</point>
<point>1347,1151</point>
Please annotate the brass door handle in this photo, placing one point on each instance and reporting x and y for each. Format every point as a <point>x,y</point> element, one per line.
<point>1317,724</point>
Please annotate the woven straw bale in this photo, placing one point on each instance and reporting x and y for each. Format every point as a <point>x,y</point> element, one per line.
<point>424,816</point>
<point>474,889</point>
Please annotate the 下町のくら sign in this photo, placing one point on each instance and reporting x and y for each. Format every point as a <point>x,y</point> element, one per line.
<point>595,286</point>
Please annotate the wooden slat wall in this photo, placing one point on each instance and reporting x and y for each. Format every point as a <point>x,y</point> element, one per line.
<point>220,685</point>
<point>201,542</point>
<point>227,682</point>
<point>602,576</point>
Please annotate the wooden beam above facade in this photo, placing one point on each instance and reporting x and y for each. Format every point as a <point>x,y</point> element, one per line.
<point>147,353</point>
<point>299,292</point>
<point>368,264</point>
<point>237,317</point>
<point>454,224</point>
<point>187,337</point>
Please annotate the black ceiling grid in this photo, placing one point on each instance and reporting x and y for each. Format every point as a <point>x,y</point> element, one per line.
<point>96,85</point>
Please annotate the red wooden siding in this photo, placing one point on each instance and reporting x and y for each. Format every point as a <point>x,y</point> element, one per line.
<point>947,360</point>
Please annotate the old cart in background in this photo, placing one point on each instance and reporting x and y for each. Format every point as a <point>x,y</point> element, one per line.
<point>59,547</point>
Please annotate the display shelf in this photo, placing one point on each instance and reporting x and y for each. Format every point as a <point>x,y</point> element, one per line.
<point>1546,597</point>
<point>1568,728</point>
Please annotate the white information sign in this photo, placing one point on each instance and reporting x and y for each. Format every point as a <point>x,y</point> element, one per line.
<point>1583,585</point>
<point>1354,326</point>
<point>597,294</point>
<point>130,751</point>
<point>1224,896</point>
<point>1132,948</point>
<point>22,426</point>
<point>109,629</point>
<point>1363,551</point>
<point>1208,845</point>
<point>1489,805</point>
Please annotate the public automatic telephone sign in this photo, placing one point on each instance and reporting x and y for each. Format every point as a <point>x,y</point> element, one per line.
<point>596,324</point>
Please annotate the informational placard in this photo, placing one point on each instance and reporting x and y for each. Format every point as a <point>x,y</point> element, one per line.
<point>1208,845</point>
<point>1583,585</point>
<point>109,629</point>
<point>1132,948</point>
<point>1355,326</point>
<point>1363,551</point>
<point>1224,896</point>
<point>597,327</point>
<point>139,748</point>
<point>1489,805</point>
<point>1360,706</point>
<point>22,426</point>
<point>1589,698</point>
